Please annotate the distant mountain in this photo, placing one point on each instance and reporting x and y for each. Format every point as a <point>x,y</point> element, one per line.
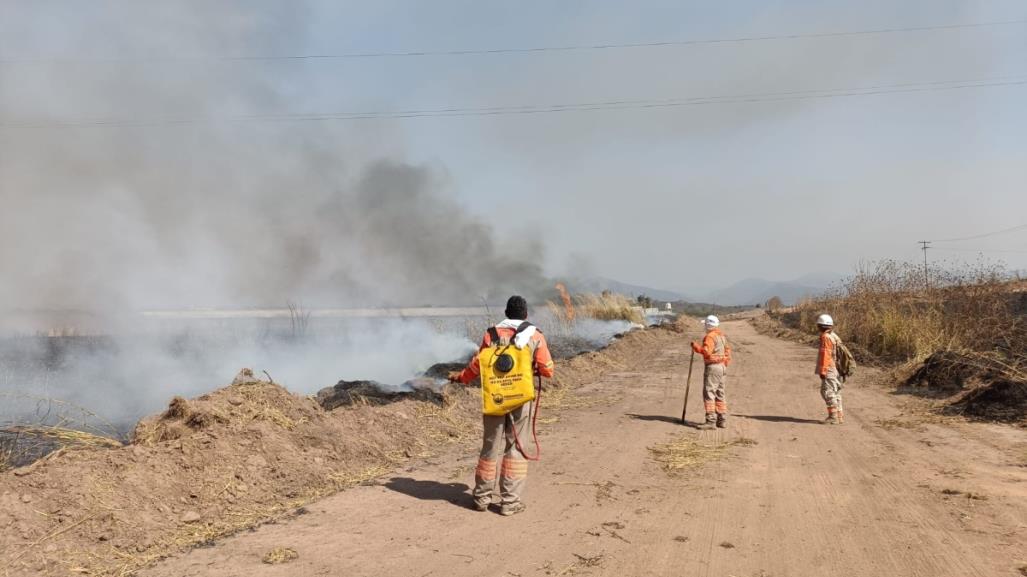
<point>753,291</point>
<point>600,284</point>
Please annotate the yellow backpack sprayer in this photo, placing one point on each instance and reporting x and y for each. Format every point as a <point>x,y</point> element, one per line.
<point>508,382</point>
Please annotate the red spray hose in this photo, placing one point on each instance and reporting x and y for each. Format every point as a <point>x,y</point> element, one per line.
<point>534,426</point>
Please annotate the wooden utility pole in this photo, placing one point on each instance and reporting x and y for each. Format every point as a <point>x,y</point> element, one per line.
<point>925,244</point>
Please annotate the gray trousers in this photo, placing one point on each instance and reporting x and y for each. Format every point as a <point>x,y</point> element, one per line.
<point>714,399</point>
<point>498,439</point>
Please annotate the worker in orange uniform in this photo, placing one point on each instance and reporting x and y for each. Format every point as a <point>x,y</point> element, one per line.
<point>716,354</point>
<point>500,431</point>
<point>827,369</point>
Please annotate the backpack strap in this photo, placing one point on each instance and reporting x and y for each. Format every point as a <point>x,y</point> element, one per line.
<point>496,340</point>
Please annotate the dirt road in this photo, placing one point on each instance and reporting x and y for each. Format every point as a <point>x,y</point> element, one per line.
<point>882,495</point>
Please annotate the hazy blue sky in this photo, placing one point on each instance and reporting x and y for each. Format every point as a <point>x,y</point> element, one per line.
<point>687,198</point>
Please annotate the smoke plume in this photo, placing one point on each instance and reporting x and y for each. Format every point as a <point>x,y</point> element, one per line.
<point>102,220</point>
<point>215,212</point>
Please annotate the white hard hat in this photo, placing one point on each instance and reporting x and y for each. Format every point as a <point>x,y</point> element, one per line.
<point>825,321</point>
<point>711,321</point>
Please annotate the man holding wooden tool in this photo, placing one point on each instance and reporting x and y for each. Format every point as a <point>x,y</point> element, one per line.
<point>716,354</point>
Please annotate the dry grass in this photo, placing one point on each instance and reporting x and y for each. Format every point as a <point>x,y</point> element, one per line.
<point>605,307</point>
<point>885,310</point>
<point>20,444</point>
<point>563,398</point>
<point>65,437</point>
<point>688,453</point>
<point>280,555</point>
<point>966,332</point>
<point>448,424</point>
<point>9,451</point>
<point>610,307</point>
<point>55,425</point>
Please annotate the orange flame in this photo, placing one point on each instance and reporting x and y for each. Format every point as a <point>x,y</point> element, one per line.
<point>568,305</point>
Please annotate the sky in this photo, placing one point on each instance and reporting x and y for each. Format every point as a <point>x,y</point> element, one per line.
<point>687,198</point>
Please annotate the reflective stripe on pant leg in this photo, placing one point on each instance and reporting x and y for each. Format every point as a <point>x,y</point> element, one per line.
<point>486,470</point>
<point>515,466</point>
<point>491,445</point>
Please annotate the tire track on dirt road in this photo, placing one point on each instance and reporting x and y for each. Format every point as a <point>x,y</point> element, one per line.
<point>856,500</point>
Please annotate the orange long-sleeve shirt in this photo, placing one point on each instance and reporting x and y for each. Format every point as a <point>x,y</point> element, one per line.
<point>825,357</point>
<point>714,349</point>
<point>543,360</point>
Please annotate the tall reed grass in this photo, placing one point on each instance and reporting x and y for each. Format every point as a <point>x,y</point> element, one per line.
<point>888,310</point>
<point>605,307</point>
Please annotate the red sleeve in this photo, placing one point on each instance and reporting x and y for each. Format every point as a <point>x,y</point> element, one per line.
<point>472,370</point>
<point>543,358</point>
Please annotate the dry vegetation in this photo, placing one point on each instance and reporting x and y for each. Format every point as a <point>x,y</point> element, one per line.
<point>54,425</point>
<point>687,452</point>
<point>605,307</point>
<point>968,328</point>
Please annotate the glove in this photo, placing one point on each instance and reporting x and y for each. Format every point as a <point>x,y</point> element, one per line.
<point>453,376</point>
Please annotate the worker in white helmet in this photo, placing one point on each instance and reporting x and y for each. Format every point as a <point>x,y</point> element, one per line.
<point>827,369</point>
<point>716,354</point>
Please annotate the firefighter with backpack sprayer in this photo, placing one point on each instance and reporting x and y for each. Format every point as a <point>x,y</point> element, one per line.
<point>834,364</point>
<point>716,353</point>
<point>512,355</point>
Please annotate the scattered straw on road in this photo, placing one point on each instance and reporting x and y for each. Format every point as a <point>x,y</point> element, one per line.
<point>687,453</point>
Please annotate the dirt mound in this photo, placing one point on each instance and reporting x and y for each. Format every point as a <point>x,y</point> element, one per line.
<point>1001,400</point>
<point>204,468</point>
<point>235,458</point>
<point>977,385</point>
<point>944,373</point>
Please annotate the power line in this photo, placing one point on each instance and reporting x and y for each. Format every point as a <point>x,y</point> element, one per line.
<point>985,235</point>
<point>523,50</point>
<point>539,108</point>
<point>981,250</point>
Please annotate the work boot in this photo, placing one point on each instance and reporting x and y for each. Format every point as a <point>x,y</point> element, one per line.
<point>508,509</point>
<point>832,417</point>
<point>481,504</point>
<point>721,421</point>
<point>711,421</point>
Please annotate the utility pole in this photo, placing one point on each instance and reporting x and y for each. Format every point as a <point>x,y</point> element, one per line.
<point>925,244</point>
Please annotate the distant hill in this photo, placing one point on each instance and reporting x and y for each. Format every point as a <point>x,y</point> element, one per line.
<point>600,284</point>
<point>753,291</point>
